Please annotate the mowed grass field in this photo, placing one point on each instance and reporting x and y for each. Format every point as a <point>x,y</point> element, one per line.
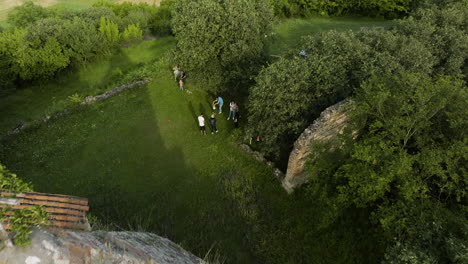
<point>144,166</point>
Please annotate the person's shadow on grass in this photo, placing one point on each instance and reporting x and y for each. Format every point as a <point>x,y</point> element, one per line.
<point>194,114</point>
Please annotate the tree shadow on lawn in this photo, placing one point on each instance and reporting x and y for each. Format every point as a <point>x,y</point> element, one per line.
<point>113,153</point>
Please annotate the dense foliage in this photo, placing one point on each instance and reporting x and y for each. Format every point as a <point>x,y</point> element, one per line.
<point>404,176</point>
<point>389,8</point>
<point>292,91</point>
<point>212,45</point>
<point>150,18</point>
<point>408,166</point>
<point>22,220</point>
<point>27,14</point>
<point>45,41</point>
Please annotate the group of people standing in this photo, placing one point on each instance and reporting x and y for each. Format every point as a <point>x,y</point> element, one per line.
<point>233,112</point>
<point>181,78</point>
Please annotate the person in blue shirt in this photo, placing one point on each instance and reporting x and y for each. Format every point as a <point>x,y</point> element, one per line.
<point>219,101</point>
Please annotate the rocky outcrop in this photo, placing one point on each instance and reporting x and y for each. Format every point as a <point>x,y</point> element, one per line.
<point>98,247</point>
<point>331,122</point>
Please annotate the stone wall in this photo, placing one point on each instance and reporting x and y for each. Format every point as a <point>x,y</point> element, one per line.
<point>331,122</point>
<point>97,247</point>
<point>259,157</point>
<point>88,100</point>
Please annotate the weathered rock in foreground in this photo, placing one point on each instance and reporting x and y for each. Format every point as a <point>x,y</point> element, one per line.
<point>98,247</point>
<point>330,124</point>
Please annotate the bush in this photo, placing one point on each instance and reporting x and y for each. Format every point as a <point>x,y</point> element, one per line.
<point>131,34</point>
<point>21,220</point>
<point>26,14</point>
<point>9,182</point>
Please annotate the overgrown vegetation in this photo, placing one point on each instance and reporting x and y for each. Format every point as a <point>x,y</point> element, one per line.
<point>292,91</point>
<point>389,8</point>
<point>394,194</point>
<point>21,221</point>
<point>214,48</point>
<point>408,166</point>
<point>43,42</point>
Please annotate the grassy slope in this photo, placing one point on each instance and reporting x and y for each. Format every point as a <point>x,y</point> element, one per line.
<point>43,98</point>
<point>141,171</point>
<point>289,32</point>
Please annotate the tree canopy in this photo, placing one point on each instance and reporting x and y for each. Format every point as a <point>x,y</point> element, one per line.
<point>408,166</point>
<point>292,91</point>
<point>212,45</point>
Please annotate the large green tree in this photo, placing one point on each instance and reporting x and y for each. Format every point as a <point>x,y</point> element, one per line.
<point>291,92</point>
<point>26,14</point>
<point>408,167</point>
<point>220,42</point>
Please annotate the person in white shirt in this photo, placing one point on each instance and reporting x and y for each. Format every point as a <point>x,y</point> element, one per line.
<point>201,123</point>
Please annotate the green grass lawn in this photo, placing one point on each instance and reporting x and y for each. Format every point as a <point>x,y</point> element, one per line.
<point>46,97</point>
<point>143,164</point>
<point>290,31</point>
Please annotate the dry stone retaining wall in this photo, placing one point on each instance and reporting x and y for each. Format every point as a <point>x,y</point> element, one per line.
<point>88,100</point>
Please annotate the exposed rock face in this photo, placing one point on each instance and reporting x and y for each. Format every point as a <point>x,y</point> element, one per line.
<point>331,122</point>
<point>98,247</point>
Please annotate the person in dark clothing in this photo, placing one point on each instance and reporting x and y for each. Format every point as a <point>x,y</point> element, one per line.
<point>183,77</point>
<point>236,119</point>
<point>213,124</point>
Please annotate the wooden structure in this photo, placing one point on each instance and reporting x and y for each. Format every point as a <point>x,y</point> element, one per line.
<point>65,212</point>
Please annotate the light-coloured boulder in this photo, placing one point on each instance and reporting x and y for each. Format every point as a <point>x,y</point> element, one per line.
<point>331,123</point>
<point>97,247</point>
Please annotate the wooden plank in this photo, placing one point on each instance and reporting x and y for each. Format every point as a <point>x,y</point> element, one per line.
<point>57,195</point>
<point>17,207</point>
<point>58,198</point>
<point>65,211</point>
<point>69,218</point>
<point>45,197</point>
<point>55,204</point>
<point>49,210</point>
<point>67,224</point>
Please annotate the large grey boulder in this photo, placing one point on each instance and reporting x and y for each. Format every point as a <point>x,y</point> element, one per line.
<point>329,125</point>
<point>97,247</point>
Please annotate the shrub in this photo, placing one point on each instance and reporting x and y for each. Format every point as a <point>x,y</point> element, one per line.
<point>26,14</point>
<point>132,33</point>
<point>21,220</point>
